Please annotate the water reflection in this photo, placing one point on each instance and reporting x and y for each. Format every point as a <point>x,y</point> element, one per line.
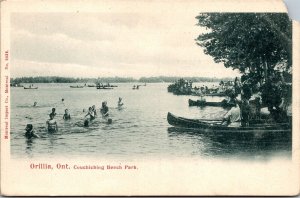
<point>233,144</point>
<point>29,147</point>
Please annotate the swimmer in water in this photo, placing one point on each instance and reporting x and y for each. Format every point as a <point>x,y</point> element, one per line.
<point>53,112</point>
<point>94,110</point>
<point>52,124</point>
<point>120,103</point>
<point>67,115</point>
<point>104,109</point>
<point>34,104</point>
<point>29,132</point>
<point>91,113</point>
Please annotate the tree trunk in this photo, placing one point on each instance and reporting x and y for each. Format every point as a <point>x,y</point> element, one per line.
<point>265,70</point>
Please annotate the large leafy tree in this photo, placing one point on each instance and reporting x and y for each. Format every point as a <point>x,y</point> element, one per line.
<point>255,43</point>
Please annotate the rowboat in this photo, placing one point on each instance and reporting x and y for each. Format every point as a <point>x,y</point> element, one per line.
<point>77,86</point>
<point>30,87</point>
<point>216,126</point>
<point>202,103</point>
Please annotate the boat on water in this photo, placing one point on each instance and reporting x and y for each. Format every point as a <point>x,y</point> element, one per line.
<point>216,94</point>
<point>203,103</point>
<point>216,126</point>
<point>102,87</point>
<point>77,86</point>
<point>221,94</point>
<point>16,85</point>
<point>30,87</point>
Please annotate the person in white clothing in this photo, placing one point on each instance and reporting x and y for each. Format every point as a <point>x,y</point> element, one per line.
<point>233,117</point>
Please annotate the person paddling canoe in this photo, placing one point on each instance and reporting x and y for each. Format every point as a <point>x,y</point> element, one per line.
<point>233,117</point>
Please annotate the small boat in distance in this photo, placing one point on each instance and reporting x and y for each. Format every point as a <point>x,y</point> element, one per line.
<point>221,94</point>
<point>16,85</point>
<point>136,87</point>
<point>76,86</point>
<point>206,125</point>
<point>107,85</point>
<point>30,87</point>
<point>103,87</point>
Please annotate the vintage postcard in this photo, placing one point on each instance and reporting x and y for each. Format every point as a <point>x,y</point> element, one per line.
<point>132,97</point>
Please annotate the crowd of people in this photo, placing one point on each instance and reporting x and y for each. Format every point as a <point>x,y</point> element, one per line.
<point>270,101</point>
<point>52,126</point>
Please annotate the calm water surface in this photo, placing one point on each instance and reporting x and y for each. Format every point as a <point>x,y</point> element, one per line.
<point>139,130</point>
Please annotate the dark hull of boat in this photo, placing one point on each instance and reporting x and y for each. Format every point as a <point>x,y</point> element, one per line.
<point>104,88</point>
<point>76,86</point>
<point>30,87</point>
<point>210,126</point>
<point>200,103</point>
<point>210,94</point>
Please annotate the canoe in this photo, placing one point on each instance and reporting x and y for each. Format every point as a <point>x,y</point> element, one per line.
<point>200,103</point>
<point>215,125</point>
<point>30,87</point>
<point>104,88</point>
<point>209,94</point>
<point>76,86</point>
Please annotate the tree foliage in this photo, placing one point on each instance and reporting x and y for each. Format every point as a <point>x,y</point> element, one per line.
<point>249,42</point>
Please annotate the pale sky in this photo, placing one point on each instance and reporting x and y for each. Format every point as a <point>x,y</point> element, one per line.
<point>125,44</point>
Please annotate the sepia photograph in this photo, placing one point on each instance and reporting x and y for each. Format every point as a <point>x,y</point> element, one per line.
<point>118,89</point>
<point>130,87</point>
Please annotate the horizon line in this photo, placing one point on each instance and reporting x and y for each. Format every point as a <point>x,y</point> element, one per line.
<point>136,78</point>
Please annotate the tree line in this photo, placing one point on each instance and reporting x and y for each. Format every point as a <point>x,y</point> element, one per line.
<point>158,79</point>
<point>259,45</point>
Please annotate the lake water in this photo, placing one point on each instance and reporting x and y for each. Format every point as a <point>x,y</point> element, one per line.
<point>139,130</point>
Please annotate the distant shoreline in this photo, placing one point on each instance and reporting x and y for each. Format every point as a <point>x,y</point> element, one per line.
<point>158,79</point>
